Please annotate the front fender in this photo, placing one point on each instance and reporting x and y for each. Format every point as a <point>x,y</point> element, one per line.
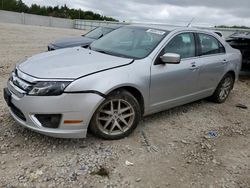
<point>136,75</point>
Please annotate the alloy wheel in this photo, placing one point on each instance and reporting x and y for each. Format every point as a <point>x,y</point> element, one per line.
<point>115,117</point>
<point>225,88</point>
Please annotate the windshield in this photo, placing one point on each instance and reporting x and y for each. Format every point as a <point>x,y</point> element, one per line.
<point>98,32</point>
<point>130,42</point>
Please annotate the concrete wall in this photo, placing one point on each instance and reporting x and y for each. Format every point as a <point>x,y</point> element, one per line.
<point>31,19</point>
<point>10,17</point>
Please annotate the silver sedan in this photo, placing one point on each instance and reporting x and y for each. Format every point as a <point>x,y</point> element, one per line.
<point>131,72</point>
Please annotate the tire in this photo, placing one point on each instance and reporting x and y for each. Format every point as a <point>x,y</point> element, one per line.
<point>223,89</point>
<point>117,116</point>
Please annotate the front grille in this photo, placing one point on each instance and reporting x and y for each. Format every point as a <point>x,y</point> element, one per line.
<point>17,112</point>
<point>15,90</point>
<point>18,85</point>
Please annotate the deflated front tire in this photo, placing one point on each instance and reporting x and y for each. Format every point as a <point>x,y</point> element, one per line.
<point>117,116</point>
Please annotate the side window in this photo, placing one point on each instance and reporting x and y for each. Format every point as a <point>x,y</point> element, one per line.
<point>182,44</point>
<point>210,45</point>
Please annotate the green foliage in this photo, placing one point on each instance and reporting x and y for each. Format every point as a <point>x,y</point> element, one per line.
<point>234,27</point>
<point>61,12</point>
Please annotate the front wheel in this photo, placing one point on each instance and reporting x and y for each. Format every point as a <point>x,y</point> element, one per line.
<point>223,89</point>
<point>117,116</point>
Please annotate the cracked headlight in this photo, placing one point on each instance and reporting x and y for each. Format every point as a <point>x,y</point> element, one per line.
<point>48,88</point>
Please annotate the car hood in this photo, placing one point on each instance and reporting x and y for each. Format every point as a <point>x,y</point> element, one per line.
<point>70,63</point>
<point>73,41</point>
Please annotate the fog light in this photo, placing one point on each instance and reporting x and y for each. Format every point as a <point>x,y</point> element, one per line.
<point>49,120</point>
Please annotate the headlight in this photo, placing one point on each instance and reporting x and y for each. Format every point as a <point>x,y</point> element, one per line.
<point>48,88</point>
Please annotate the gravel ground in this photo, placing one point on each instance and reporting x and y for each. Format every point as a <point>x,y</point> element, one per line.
<point>169,149</point>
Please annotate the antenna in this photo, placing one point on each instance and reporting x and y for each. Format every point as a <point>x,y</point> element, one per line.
<point>189,23</point>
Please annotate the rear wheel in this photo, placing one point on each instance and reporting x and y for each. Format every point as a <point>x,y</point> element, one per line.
<point>223,89</point>
<point>117,116</point>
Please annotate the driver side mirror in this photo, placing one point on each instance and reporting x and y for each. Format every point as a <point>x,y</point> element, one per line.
<point>170,58</point>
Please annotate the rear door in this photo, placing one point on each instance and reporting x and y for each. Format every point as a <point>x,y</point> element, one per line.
<point>212,62</point>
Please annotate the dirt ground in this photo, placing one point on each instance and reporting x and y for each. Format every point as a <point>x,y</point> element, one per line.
<point>169,149</point>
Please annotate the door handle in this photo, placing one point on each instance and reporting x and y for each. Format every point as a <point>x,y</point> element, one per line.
<point>193,66</point>
<point>224,61</point>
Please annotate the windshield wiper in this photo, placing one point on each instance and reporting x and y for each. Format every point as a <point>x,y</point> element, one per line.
<point>85,46</point>
<point>111,53</point>
<point>103,52</point>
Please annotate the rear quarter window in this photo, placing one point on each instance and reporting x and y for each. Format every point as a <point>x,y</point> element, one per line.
<point>210,45</point>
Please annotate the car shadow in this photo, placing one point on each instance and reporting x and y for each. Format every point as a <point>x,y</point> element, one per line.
<point>244,76</point>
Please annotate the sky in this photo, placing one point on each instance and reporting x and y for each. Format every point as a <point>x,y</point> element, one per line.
<point>181,12</point>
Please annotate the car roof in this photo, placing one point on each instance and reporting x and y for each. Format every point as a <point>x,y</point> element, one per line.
<point>112,26</point>
<point>166,27</point>
<point>157,26</point>
<point>170,28</point>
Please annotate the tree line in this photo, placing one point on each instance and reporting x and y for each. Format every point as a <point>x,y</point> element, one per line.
<point>57,11</point>
<point>233,27</point>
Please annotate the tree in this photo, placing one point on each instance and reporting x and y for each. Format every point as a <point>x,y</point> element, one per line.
<point>56,11</point>
<point>234,26</point>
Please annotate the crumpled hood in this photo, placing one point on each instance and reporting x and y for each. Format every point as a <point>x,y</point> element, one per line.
<point>73,41</point>
<point>69,63</point>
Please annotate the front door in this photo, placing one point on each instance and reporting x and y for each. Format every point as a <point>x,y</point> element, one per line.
<point>175,84</point>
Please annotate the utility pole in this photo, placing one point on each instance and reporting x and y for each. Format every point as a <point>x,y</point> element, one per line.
<point>79,14</point>
<point>2,4</point>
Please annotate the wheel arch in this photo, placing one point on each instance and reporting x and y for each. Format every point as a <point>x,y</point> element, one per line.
<point>133,91</point>
<point>232,73</point>
<point>228,72</point>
